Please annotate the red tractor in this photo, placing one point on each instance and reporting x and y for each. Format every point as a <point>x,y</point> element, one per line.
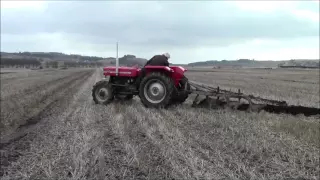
<point>159,87</point>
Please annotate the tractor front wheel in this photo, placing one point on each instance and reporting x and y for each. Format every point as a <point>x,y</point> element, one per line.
<point>156,90</point>
<point>102,93</point>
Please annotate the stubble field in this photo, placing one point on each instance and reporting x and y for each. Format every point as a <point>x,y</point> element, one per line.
<point>51,129</point>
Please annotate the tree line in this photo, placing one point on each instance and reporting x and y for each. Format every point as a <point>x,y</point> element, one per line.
<point>34,62</point>
<point>82,64</point>
<point>9,62</point>
<point>55,55</point>
<point>66,64</point>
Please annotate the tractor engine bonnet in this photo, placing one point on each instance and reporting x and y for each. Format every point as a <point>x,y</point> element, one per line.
<point>123,71</point>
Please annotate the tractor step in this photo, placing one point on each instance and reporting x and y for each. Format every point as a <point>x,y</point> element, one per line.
<point>133,88</point>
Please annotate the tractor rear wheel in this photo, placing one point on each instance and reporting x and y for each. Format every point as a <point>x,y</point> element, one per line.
<point>156,90</point>
<point>102,92</point>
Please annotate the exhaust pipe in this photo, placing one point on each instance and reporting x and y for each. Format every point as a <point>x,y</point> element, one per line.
<point>117,62</point>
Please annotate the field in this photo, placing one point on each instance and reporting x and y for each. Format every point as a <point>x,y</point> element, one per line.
<point>51,129</point>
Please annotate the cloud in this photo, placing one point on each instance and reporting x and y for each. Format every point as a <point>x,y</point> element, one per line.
<point>189,30</point>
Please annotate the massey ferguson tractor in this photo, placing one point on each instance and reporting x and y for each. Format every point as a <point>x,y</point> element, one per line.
<point>160,87</point>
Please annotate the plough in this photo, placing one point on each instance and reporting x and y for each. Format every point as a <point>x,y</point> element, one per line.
<point>228,96</point>
<point>221,98</point>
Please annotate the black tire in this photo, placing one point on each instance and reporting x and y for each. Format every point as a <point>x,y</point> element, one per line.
<point>106,87</point>
<point>167,85</point>
<point>123,97</point>
<point>182,96</point>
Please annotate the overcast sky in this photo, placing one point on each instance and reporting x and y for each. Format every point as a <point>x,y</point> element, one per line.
<point>189,31</point>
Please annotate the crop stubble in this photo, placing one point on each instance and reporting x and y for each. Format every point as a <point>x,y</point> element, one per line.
<point>76,139</point>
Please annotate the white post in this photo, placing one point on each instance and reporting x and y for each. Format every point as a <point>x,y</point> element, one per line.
<point>117,62</point>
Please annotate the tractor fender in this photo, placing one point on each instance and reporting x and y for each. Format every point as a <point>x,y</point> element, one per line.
<point>163,69</point>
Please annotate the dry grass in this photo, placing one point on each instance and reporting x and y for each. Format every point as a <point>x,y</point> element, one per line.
<point>76,139</point>
<point>24,96</point>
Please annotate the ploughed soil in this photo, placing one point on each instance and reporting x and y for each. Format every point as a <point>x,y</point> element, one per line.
<point>51,129</point>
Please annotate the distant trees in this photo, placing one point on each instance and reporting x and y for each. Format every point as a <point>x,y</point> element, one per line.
<point>82,64</point>
<point>22,63</point>
<point>131,60</point>
<point>57,60</point>
<point>53,64</point>
<point>33,62</point>
<point>47,65</point>
<point>56,55</point>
